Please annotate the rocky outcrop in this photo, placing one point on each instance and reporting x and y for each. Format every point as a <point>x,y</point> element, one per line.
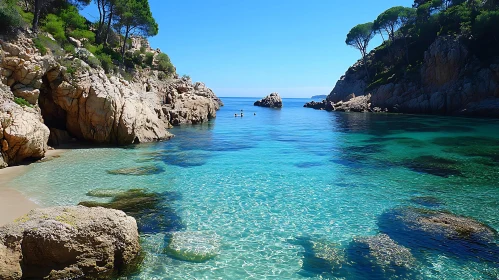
<point>193,246</point>
<point>272,100</point>
<point>79,101</point>
<point>68,243</point>
<point>451,81</point>
<point>351,104</point>
<point>22,132</point>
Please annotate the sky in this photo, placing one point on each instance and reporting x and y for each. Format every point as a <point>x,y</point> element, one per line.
<point>254,47</point>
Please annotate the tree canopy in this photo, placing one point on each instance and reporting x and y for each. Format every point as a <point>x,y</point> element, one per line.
<point>359,38</point>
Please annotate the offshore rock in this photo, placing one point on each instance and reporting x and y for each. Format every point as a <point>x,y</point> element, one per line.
<point>272,100</point>
<point>68,243</point>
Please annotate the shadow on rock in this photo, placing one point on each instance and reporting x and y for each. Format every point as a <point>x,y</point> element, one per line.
<point>151,210</point>
<point>433,230</point>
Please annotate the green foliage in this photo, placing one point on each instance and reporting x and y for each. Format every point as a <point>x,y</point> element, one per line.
<point>162,76</point>
<point>359,37</point>
<point>106,62</point>
<point>137,57</point>
<point>21,101</point>
<point>164,64</point>
<point>39,45</point>
<point>149,58</point>
<point>26,16</point>
<point>185,76</point>
<point>55,26</point>
<point>487,24</point>
<point>83,34</point>
<point>9,16</point>
<point>93,61</point>
<point>72,19</point>
<point>69,48</point>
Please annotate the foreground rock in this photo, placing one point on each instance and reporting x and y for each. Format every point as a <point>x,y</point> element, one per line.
<point>272,100</point>
<point>351,103</point>
<point>68,243</point>
<point>193,246</point>
<point>440,230</point>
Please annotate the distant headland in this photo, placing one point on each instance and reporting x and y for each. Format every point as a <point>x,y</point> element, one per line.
<point>319,97</point>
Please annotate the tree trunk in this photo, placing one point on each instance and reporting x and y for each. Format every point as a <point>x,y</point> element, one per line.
<point>106,37</point>
<point>36,15</point>
<point>102,17</point>
<point>123,48</point>
<point>365,65</point>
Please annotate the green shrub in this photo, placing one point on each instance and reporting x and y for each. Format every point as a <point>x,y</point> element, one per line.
<point>83,34</point>
<point>9,16</point>
<point>93,49</point>
<point>26,16</point>
<point>185,76</point>
<point>137,57</point>
<point>55,26</point>
<point>69,48</point>
<point>149,58</point>
<point>106,62</point>
<point>21,101</point>
<point>72,19</point>
<point>164,63</point>
<point>142,50</point>
<point>162,76</point>
<point>39,45</point>
<point>93,61</point>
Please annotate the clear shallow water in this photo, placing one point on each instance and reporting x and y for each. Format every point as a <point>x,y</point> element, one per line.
<point>269,183</point>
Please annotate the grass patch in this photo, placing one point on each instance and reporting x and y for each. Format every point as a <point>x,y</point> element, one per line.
<point>21,101</point>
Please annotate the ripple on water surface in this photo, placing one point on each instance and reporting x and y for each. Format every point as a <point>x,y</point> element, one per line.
<point>297,193</point>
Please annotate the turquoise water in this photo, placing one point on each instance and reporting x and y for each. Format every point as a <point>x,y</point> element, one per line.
<point>269,185</point>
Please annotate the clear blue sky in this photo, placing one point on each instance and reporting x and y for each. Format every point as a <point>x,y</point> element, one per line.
<point>255,47</point>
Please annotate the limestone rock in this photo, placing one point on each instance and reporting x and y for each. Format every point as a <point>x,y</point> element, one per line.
<point>450,82</point>
<point>355,104</point>
<point>68,243</point>
<point>24,134</point>
<point>272,100</point>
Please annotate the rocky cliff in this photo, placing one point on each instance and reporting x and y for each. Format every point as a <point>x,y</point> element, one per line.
<point>71,99</point>
<point>450,81</point>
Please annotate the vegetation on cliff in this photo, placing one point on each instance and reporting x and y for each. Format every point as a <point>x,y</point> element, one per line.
<point>408,32</point>
<point>60,29</point>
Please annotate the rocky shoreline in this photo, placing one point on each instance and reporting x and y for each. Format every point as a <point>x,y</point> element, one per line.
<point>43,101</point>
<point>450,81</point>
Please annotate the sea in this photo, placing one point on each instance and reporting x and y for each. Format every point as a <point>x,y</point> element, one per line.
<point>290,193</point>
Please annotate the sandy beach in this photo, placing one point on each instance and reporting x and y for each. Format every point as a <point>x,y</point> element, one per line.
<point>14,204</point>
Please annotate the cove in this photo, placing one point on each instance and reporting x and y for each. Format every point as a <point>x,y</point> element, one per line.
<point>294,193</point>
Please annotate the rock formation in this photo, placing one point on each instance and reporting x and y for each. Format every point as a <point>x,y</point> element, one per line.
<point>272,100</point>
<point>78,101</point>
<point>68,243</point>
<point>451,81</point>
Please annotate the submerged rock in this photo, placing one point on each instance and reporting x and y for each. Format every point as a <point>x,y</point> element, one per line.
<point>319,258</point>
<point>152,210</point>
<point>137,171</point>
<point>193,246</point>
<point>380,258</point>
<point>428,201</point>
<point>272,100</point>
<point>440,230</point>
<point>385,252</point>
<point>433,165</point>
<point>68,243</point>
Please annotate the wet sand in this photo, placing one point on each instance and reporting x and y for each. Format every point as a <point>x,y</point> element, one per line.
<point>14,204</point>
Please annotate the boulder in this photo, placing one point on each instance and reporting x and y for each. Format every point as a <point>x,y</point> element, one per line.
<point>383,251</point>
<point>442,231</point>
<point>272,100</point>
<point>354,104</point>
<point>68,243</point>
<point>193,246</point>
